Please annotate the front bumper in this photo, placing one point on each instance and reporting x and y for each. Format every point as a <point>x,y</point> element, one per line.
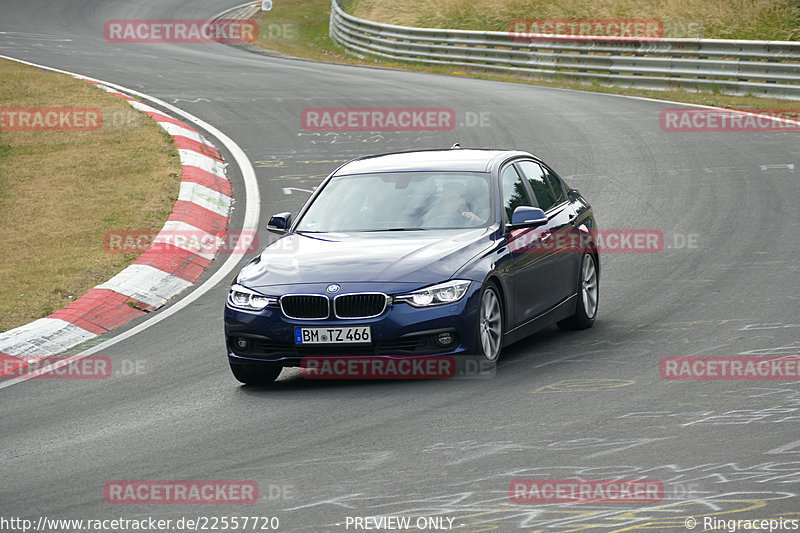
<point>400,331</point>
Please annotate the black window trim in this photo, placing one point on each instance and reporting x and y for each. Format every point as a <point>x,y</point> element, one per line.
<point>525,185</point>
<point>557,206</point>
<point>560,182</point>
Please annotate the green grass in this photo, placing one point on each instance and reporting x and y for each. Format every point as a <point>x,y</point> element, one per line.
<point>299,28</point>
<point>61,191</point>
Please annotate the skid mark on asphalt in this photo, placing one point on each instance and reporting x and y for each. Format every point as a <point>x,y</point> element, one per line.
<point>583,385</point>
<point>474,511</point>
<point>790,349</point>
<point>465,451</point>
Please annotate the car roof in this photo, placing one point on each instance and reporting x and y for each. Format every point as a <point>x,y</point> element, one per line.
<point>465,160</point>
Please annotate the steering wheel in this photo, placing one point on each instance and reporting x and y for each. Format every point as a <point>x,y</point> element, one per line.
<point>445,220</point>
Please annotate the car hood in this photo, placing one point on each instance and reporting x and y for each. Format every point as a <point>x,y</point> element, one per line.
<point>421,257</point>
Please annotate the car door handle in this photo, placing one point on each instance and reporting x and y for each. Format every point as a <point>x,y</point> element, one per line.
<point>545,236</point>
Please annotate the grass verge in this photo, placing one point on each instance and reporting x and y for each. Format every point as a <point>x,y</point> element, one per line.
<point>61,191</point>
<point>300,29</point>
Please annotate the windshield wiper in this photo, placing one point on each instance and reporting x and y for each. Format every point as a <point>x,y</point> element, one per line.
<point>395,229</point>
<point>363,230</point>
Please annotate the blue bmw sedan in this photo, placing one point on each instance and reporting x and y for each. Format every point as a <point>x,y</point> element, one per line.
<point>430,253</point>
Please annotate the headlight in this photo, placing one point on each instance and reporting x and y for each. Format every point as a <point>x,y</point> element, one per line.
<point>443,293</point>
<point>249,300</point>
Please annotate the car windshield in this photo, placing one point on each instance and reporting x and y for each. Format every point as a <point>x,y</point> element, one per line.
<point>400,201</point>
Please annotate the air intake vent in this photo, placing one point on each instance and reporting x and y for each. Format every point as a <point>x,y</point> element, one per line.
<point>305,306</point>
<point>365,305</point>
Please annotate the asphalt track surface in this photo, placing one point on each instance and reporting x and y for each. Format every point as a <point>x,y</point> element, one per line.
<point>590,404</point>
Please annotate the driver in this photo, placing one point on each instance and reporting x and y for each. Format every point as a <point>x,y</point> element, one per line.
<point>455,202</point>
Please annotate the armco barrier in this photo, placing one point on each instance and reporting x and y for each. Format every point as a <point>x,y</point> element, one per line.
<point>760,68</point>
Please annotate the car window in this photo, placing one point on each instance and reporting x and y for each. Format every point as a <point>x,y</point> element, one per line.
<point>400,200</point>
<point>535,175</point>
<point>514,192</point>
<point>556,185</point>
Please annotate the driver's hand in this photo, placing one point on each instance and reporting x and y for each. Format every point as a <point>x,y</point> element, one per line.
<point>472,217</point>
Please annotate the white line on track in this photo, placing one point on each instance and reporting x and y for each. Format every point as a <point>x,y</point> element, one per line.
<point>251,215</point>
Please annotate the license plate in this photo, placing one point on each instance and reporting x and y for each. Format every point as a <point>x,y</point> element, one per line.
<point>350,335</point>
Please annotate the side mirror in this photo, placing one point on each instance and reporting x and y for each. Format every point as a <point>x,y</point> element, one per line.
<point>526,216</point>
<point>279,223</point>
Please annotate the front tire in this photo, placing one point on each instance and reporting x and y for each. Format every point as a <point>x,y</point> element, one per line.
<point>260,374</point>
<point>588,296</point>
<point>490,322</point>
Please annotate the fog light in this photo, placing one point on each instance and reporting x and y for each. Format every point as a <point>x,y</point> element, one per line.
<point>445,339</point>
<point>241,343</point>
